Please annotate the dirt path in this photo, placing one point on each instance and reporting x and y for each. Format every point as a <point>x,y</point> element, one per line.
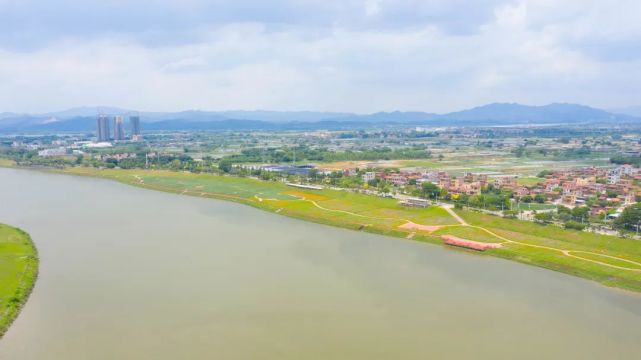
<point>562,251</point>
<point>448,208</point>
<point>349,212</point>
<point>462,222</point>
<point>140,180</point>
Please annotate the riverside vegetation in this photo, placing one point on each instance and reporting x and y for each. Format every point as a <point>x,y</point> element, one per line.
<point>18,272</point>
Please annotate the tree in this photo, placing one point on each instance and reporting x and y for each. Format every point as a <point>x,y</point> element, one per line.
<point>442,193</point>
<point>611,193</point>
<point>313,174</point>
<point>384,187</point>
<point>630,218</point>
<point>175,164</point>
<point>519,151</point>
<point>430,190</point>
<point>225,165</point>
<point>580,212</point>
<point>543,217</point>
<point>574,225</point>
<point>539,198</point>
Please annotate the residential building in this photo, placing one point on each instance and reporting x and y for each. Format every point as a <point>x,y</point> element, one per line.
<point>614,176</point>
<point>119,128</point>
<point>61,151</point>
<point>102,128</point>
<point>369,176</point>
<point>397,179</point>
<point>134,123</point>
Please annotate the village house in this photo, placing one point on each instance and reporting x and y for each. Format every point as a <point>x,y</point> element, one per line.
<point>369,176</point>
<point>397,179</point>
<point>507,181</point>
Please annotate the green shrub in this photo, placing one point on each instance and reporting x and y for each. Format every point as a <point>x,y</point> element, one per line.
<point>574,225</point>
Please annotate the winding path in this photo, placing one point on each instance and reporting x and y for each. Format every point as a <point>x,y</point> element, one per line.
<point>462,222</point>
<point>562,251</point>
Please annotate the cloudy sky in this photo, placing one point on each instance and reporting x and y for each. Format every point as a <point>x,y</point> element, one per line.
<point>342,55</point>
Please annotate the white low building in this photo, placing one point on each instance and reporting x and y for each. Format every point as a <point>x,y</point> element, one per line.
<point>369,176</point>
<point>61,151</point>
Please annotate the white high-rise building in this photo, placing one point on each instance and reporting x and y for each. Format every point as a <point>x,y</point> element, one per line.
<point>119,128</point>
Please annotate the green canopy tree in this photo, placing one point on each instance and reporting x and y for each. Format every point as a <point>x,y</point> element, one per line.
<point>630,218</point>
<point>430,190</point>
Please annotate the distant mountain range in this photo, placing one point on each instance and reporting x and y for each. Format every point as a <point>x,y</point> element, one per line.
<point>631,110</point>
<point>82,119</point>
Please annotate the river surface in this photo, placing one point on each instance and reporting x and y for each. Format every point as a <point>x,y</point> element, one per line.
<point>128,273</point>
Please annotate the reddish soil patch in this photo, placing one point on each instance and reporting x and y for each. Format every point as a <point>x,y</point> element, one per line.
<point>474,245</point>
<point>413,226</point>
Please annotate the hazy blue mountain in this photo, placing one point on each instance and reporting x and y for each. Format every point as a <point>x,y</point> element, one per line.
<point>209,125</point>
<point>630,110</point>
<point>188,115</point>
<point>8,115</point>
<point>395,116</point>
<point>86,111</point>
<point>516,113</point>
<point>83,119</point>
<point>284,116</point>
<point>39,125</point>
<point>21,120</point>
<point>257,115</point>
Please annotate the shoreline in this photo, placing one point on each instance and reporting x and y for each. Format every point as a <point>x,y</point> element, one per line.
<point>586,270</point>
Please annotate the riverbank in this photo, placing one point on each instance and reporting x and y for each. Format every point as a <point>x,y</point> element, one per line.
<point>18,273</point>
<point>220,273</point>
<point>609,260</point>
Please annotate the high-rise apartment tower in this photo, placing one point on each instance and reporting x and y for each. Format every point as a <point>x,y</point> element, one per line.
<point>134,123</point>
<point>119,128</point>
<point>102,128</point>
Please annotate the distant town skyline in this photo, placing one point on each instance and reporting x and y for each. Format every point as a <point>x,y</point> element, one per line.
<point>358,56</point>
<point>113,128</point>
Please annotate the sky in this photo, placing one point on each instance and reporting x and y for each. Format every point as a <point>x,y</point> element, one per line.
<point>323,55</point>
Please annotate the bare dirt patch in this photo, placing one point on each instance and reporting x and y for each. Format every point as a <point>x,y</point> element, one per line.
<point>414,226</point>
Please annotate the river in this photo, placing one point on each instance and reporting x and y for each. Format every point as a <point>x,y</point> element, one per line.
<point>129,273</point>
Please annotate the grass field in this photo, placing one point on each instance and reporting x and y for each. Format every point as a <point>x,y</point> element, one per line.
<point>460,162</point>
<point>466,232</point>
<point>529,181</point>
<point>7,162</point>
<point>610,260</point>
<point>18,272</point>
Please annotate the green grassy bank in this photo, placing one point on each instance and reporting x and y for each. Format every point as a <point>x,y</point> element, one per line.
<point>18,273</point>
<point>609,260</point>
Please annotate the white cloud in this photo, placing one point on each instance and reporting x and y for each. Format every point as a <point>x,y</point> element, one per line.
<point>512,16</point>
<point>526,51</point>
<point>372,7</point>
